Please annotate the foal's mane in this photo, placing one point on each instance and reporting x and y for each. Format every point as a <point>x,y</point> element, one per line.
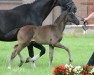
<point>60,18</point>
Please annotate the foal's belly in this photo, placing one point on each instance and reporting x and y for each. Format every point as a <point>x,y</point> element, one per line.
<point>41,40</point>
<point>46,38</point>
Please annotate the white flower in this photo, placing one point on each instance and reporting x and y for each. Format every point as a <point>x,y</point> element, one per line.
<point>69,67</point>
<point>77,69</point>
<point>66,65</point>
<point>92,71</point>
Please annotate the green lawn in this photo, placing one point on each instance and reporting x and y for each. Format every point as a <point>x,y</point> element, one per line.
<point>81,48</point>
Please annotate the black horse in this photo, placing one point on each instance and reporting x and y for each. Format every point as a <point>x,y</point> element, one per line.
<point>34,14</point>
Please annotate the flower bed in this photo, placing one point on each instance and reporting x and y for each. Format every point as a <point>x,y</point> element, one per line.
<point>71,70</point>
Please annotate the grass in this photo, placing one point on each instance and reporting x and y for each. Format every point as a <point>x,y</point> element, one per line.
<point>81,48</point>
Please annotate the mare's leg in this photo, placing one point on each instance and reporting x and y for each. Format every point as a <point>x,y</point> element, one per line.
<point>31,53</point>
<point>51,51</point>
<point>40,47</point>
<point>64,47</point>
<point>30,50</point>
<point>17,50</point>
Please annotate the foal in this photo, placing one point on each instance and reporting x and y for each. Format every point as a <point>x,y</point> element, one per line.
<point>48,35</point>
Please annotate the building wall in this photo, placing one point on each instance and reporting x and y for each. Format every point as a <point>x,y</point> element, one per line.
<point>81,9</point>
<point>90,8</point>
<point>8,5</point>
<point>52,16</point>
<point>84,8</point>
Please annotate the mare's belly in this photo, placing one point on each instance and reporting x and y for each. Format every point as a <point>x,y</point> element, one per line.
<point>11,36</point>
<point>8,39</point>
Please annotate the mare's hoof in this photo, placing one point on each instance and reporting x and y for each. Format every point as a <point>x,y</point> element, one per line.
<point>27,60</point>
<point>33,65</point>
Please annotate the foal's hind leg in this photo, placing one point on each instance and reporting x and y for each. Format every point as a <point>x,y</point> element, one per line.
<point>20,56</point>
<point>63,47</point>
<point>14,53</point>
<point>21,60</point>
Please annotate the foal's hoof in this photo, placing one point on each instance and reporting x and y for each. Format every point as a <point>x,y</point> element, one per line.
<point>50,64</point>
<point>21,64</point>
<point>70,61</point>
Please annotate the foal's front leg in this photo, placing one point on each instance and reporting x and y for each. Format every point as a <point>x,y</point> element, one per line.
<point>51,52</point>
<point>64,47</point>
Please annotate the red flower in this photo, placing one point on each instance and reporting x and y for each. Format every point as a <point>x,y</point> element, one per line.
<point>60,70</point>
<point>86,65</point>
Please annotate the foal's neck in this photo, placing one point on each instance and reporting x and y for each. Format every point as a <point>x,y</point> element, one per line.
<point>60,22</point>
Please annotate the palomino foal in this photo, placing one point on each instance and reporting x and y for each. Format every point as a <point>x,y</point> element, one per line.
<point>48,35</point>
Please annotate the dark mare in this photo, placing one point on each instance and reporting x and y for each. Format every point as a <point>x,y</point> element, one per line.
<point>32,14</point>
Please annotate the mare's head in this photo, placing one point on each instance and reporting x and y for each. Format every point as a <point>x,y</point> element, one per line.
<point>70,17</point>
<point>67,4</point>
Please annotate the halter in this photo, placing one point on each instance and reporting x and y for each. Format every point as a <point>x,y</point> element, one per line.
<point>84,22</point>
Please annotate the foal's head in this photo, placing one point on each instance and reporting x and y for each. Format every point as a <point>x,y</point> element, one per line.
<point>65,17</point>
<point>70,17</point>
